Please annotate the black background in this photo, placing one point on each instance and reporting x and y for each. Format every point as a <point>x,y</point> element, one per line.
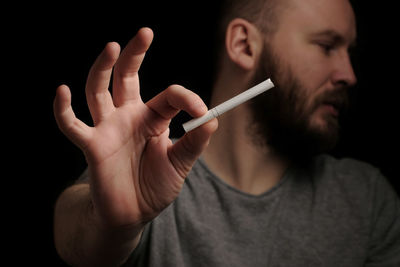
<point>53,44</point>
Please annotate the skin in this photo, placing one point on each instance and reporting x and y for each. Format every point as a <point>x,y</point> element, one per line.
<point>318,36</point>
<point>128,139</point>
<point>99,224</point>
<point>312,43</point>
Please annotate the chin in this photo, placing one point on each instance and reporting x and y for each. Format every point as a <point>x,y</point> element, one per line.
<point>324,124</point>
<point>326,136</point>
<point>321,136</point>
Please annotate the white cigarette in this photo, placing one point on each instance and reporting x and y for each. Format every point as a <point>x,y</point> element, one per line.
<point>228,105</point>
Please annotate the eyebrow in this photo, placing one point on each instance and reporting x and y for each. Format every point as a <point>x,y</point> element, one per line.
<point>337,37</point>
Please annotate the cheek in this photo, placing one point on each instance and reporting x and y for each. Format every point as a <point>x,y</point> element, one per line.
<point>306,63</point>
<point>304,71</point>
<point>311,77</point>
<point>311,73</point>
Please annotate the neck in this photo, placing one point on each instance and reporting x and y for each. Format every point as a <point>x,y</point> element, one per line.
<point>235,158</point>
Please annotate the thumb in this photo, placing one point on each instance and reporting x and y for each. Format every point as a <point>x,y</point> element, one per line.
<point>185,152</point>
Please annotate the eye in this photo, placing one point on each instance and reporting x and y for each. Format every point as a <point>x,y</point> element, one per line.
<point>326,47</point>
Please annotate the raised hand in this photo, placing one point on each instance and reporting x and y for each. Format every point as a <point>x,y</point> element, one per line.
<point>135,170</point>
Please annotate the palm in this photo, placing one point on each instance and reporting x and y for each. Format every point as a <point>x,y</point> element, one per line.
<point>134,168</point>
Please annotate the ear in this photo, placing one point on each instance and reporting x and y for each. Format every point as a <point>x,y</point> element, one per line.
<point>243,43</point>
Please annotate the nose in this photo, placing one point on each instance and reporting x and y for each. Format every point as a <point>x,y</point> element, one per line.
<point>343,74</point>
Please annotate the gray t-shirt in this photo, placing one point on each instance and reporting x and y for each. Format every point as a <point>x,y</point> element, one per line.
<point>334,213</point>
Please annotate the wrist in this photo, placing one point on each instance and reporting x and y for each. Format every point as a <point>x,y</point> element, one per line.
<point>115,244</point>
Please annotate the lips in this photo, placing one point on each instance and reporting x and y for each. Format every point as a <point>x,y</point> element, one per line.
<point>335,102</point>
<point>331,108</point>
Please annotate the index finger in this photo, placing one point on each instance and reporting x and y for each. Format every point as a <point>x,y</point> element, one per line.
<point>126,78</point>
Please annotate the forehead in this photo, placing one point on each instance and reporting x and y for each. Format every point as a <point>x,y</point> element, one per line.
<point>313,16</point>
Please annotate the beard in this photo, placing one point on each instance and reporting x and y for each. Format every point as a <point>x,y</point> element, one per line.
<point>282,116</point>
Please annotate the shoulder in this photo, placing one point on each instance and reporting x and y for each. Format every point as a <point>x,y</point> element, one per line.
<point>345,166</point>
<point>346,170</point>
<point>351,180</point>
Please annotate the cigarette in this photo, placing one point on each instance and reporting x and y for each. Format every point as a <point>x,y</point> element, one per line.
<point>228,105</point>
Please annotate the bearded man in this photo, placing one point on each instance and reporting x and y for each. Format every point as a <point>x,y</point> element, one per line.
<point>262,193</point>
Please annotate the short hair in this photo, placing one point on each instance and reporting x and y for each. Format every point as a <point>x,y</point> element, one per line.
<point>262,13</point>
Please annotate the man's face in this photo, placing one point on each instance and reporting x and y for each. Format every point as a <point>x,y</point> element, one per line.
<point>309,63</point>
